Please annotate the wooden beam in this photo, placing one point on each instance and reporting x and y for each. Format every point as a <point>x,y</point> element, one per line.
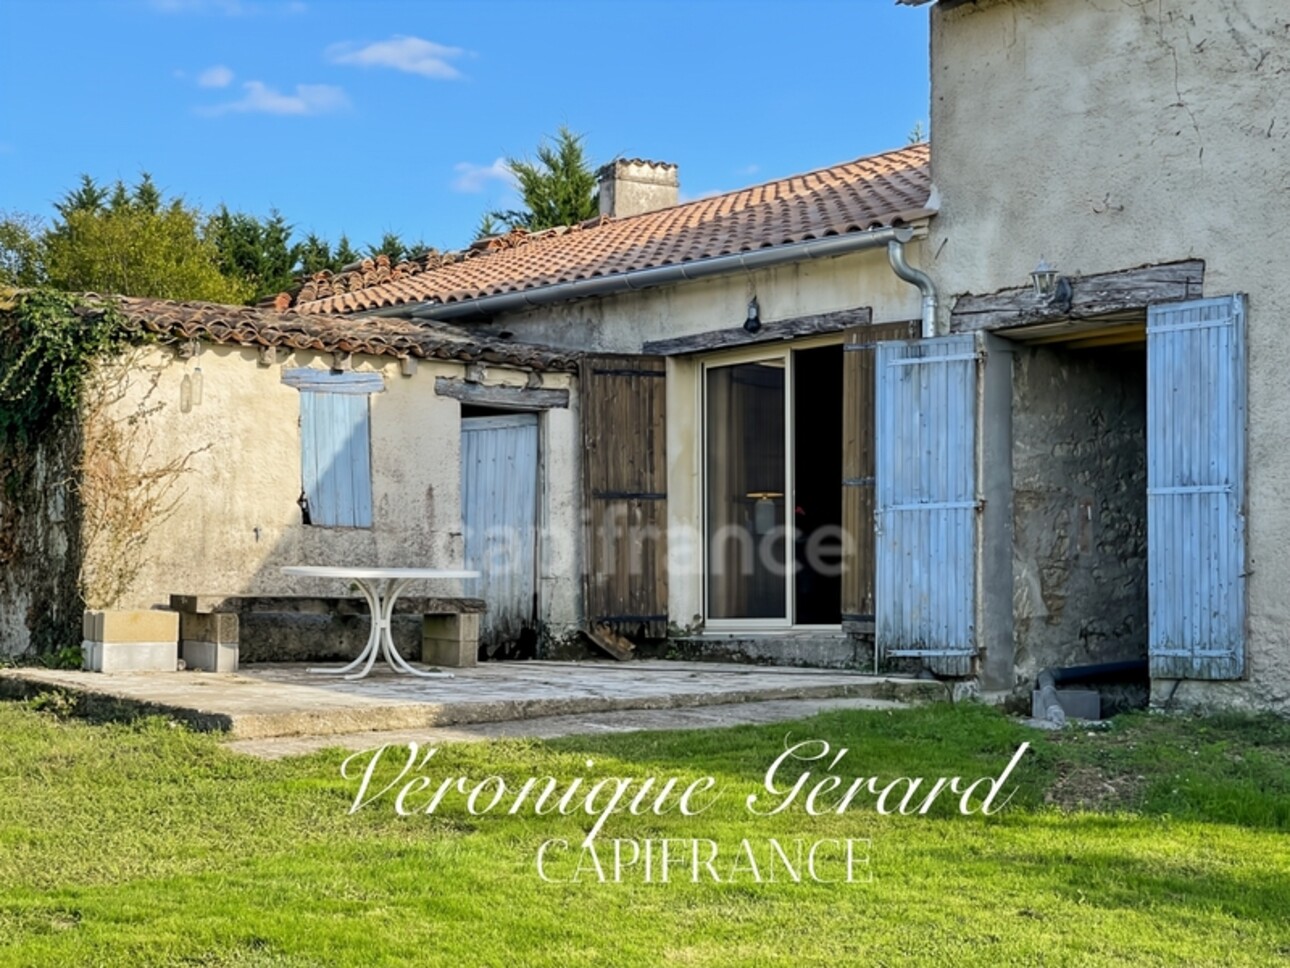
<point>770,332</point>
<point>1096,295</point>
<point>1131,331</point>
<point>511,398</point>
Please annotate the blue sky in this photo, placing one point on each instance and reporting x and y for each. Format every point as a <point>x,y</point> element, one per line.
<point>364,117</point>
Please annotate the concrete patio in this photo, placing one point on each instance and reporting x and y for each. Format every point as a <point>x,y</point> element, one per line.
<point>273,700</point>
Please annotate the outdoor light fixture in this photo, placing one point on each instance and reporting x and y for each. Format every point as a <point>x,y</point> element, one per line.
<point>753,322</point>
<point>1052,288</point>
<point>764,511</point>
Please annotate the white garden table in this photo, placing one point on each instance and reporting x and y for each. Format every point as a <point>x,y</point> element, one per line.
<point>382,588</point>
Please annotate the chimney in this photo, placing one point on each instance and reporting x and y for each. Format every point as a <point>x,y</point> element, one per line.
<point>631,186</point>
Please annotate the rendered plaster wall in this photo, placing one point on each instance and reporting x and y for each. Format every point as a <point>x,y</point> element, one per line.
<point>622,323</point>
<point>1104,136</point>
<point>1079,508</point>
<point>237,521</point>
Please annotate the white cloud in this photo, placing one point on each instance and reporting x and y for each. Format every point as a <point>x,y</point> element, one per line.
<point>472,178</point>
<point>217,76</point>
<point>748,170</point>
<point>412,55</point>
<point>262,99</point>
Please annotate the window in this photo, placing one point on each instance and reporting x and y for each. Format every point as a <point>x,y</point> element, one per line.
<point>335,446</point>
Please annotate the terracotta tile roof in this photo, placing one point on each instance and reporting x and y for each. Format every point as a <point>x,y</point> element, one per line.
<point>876,191</point>
<point>247,326</point>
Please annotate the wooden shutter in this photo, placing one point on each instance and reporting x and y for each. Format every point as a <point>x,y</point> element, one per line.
<point>1196,453</point>
<point>336,444</point>
<point>927,498</point>
<point>623,408</point>
<point>858,466</point>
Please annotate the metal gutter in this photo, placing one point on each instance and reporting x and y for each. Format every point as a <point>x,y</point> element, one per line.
<point>658,276</point>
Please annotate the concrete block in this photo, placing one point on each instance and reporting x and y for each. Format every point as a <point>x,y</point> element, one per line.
<point>450,640</point>
<point>205,656</point>
<point>216,627</point>
<point>143,625</point>
<point>129,656</point>
<point>1076,703</point>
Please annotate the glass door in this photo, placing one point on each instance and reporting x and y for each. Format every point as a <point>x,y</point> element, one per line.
<point>746,480</point>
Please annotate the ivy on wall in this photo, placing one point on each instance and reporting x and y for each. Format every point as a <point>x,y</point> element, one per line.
<point>49,343</point>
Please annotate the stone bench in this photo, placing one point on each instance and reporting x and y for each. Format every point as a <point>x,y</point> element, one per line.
<point>211,627</point>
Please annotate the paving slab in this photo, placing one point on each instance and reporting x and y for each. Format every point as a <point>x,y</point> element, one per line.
<point>283,699</point>
<point>550,727</point>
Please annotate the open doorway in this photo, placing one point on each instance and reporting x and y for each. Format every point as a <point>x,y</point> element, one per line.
<point>773,481</point>
<point>817,494</point>
<point>1079,466</point>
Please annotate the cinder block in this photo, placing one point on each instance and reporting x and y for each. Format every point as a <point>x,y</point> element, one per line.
<point>143,625</point>
<point>216,627</point>
<point>210,656</point>
<point>130,656</point>
<point>450,640</point>
<point>1076,703</point>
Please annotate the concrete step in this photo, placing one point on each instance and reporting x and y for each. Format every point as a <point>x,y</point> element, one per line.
<point>283,699</point>
<point>550,727</point>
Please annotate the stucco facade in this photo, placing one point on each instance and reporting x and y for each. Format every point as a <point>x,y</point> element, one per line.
<point>625,323</point>
<point>235,519</point>
<point>1102,137</point>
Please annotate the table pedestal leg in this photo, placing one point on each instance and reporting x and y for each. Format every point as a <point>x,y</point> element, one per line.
<point>380,603</point>
<point>368,654</point>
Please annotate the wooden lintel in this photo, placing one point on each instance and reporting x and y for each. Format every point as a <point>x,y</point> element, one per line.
<point>1123,332</point>
<point>781,329</point>
<point>1097,295</point>
<point>511,398</point>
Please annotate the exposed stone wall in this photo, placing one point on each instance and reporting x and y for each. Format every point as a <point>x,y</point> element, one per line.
<point>1079,507</point>
<point>40,608</point>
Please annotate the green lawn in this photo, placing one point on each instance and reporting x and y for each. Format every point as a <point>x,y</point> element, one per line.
<point>1161,841</point>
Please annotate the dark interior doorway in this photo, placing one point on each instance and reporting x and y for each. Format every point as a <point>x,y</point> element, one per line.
<point>817,477</point>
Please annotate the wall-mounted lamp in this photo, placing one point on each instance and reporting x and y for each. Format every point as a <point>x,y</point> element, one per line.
<point>764,510</point>
<point>1052,288</point>
<point>753,322</point>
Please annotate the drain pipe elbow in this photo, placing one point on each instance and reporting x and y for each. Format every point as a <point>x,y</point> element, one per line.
<point>915,277</point>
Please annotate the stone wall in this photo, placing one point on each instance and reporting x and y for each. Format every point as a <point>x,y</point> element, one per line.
<point>40,607</point>
<point>1079,507</point>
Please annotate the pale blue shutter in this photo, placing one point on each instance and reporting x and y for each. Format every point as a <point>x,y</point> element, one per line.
<point>1196,431</point>
<point>335,445</point>
<point>927,501</point>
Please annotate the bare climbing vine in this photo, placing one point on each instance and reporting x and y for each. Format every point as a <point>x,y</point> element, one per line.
<point>125,489</point>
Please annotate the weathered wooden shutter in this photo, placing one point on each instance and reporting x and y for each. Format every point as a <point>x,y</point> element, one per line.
<point>336,444</point>
<point>623,401</point>
<point>1196,440</point>
<point>335,458</point>
<point>927,499</point>
<point>858,561</point>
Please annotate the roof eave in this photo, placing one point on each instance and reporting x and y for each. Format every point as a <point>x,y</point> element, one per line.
<point>906,226</point>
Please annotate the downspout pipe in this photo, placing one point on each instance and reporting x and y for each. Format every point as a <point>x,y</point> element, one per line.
<point>484,306</point>
<point>915,277</point>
